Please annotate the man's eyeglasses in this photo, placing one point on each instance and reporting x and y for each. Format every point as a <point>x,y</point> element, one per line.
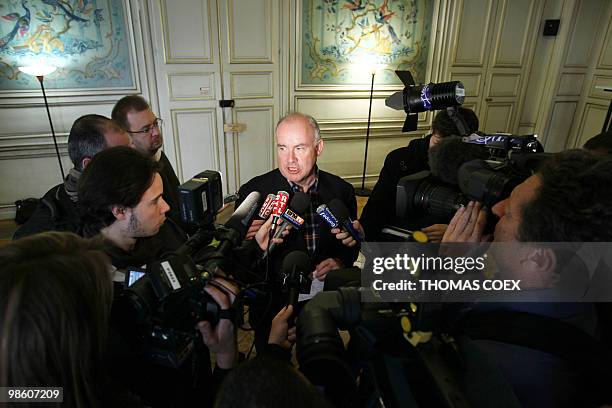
<point>158,123</point>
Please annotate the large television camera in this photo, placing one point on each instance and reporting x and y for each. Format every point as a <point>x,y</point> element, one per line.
<point>161,304</point>
<point>398,355</point>
<point>479,167</point>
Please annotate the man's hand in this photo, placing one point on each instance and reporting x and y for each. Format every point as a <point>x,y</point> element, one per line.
<point>263,234</point>
<point>221,339</point>
<point>325,266</point>
<point>280,333</point>
<point>255,226</point>
<point>467,225</point>
<point>345,237</point>
<point>435,232</point>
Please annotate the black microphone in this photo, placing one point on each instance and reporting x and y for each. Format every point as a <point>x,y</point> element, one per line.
<point>297,265</point>
<point>229,235</point>
<point>449,154</point>
<point>291,216</point>
<point>339,210</point>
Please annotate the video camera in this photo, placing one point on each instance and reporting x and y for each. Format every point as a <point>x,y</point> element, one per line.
<point>161,304</point>
<point>399,354</point>
<point>479,167</point>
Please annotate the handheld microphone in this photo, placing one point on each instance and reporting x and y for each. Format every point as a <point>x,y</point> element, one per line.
<point>297,265</point>
<point>299,204</point>
<point>229,235</point>
<point>280,204</point>
<point>339,210</point>
<point>267,207</point>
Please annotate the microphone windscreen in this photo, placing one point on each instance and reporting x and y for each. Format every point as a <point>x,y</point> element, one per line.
<point>449,154</point>
<point>243,215</point>
<point>338,209</point>
<point>298,260</point>
<point>300,202</point>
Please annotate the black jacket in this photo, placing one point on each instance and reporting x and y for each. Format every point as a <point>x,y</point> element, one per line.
<point>380,208</point>
<point>54,212</point>
<point>329,187</point>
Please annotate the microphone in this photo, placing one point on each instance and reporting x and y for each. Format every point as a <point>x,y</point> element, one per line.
<point>267,207</point>
<point>446,157</point>
<point>299,204</point>
<point>280,204</point>
<point>337,216</point>
<point>297,265</point>
<point>230,235</point>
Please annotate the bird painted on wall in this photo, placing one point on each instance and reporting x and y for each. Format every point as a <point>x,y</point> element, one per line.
<point>382,16</point>
<point>66,8</point>
<point>22,25</point>
<point>354,5</point>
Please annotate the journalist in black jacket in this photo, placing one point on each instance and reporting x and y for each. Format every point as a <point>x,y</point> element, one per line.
<point>380,208</point>
<point>379,211</point>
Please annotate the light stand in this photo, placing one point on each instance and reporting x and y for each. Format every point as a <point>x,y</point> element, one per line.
<point>365,192</point>
<point>39,72</point>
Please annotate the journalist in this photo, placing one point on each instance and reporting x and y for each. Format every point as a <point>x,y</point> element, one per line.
<point>567,200</point>
<point>379,211</point>
<point>57,209</point>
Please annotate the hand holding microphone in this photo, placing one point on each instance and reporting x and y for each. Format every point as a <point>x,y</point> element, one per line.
<point>337,216</point>
<point>264,214</point>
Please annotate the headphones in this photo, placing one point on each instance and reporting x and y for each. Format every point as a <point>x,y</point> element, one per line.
<point>458,120</point>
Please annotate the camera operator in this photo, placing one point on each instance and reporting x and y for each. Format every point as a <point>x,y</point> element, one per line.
<point>120,196</point>
<point>567,200</point>
<point>380,208</point>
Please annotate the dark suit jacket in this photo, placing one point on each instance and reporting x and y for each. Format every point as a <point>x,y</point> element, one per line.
<point>330,187</point>
<point>380,208</point>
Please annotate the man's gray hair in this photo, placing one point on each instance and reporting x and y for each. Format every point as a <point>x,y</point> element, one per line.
<point>311,121</point>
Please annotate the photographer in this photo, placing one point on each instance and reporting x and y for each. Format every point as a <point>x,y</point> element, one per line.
<point>380,208</point>
<point>567,200</point>
<point>120,196</point>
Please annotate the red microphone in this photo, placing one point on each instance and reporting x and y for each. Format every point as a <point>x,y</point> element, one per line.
<point>267,207</point>
<point>280,204</point>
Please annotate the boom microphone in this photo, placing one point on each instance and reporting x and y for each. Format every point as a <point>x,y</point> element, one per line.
<point>446,157</point>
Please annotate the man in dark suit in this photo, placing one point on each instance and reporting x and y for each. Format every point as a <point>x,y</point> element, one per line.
<point>299,143</point>
<point>134,114</point>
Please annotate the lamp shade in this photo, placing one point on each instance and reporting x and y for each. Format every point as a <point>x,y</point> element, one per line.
<point>38,70</point>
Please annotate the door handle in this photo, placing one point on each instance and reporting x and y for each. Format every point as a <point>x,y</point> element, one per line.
<point>488,99</point>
